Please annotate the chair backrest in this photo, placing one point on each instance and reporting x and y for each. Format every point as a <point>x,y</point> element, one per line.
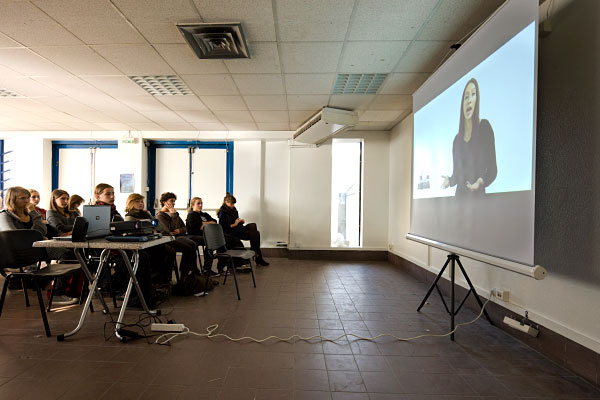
<point>16,248</point>
<point>213,236</point>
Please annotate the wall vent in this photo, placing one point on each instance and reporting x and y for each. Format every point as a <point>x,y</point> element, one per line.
<point>215,41</point>
<point>162,85</point>
<point>8,93</point>
<point>358,83</point>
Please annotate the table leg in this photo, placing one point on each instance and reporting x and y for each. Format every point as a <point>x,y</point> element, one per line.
<point>133,282</point>
<point>92,289</point>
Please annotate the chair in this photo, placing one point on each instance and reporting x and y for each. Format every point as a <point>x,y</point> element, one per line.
<point>215,242</point>
<point>18,253</point>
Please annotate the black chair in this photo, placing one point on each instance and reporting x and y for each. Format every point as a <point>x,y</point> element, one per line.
<point>215,243</point>
<point>18,253</point>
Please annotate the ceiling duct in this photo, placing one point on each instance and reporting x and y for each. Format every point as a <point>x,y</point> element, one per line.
<point>215,40</point>
<point>325,124</point>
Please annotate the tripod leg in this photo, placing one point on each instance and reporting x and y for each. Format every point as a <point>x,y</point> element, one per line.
<point>452,271</point>
<point>474,292</point>
<point>434,284</point>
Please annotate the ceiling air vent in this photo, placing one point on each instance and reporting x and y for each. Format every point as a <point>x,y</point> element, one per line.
<point>358,83</point>
<point>216,41</point>
<point>162,85</point>
<point>8,93</point>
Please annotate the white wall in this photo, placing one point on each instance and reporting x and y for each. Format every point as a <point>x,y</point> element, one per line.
<point>566,306</point>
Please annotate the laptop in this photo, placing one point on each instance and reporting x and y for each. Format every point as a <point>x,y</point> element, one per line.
<point>98,218</point>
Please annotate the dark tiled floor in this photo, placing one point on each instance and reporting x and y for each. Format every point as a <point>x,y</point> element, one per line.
<point>304,297</point>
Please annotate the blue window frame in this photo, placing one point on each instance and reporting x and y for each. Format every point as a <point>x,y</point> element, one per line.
<point>155,144</point>
<point>65,144</point>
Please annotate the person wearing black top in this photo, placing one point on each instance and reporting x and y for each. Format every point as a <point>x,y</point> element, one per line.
<point>473,150</point>
<point>234,225</point>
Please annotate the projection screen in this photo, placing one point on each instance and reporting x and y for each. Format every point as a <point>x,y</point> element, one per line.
<point>473,176</point>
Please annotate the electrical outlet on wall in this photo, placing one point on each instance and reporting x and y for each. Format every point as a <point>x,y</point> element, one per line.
<point>502,294</point>
<point>391,246</point>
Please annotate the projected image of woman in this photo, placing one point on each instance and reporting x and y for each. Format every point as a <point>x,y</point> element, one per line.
<point>473,150</point>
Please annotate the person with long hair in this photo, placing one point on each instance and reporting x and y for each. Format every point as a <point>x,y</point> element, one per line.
<point>20,213</point>
<point>474,148</point>
<point>35,199</point>
<point>233,225</point>
<point>59,215</point>
<point>74,202</point>
<point>104,195</point>
<point>172,224</point>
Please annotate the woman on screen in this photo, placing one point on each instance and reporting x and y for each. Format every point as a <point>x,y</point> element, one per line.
<point>473,150</point>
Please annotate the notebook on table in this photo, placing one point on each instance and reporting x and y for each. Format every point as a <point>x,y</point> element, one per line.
<point>98,218</point>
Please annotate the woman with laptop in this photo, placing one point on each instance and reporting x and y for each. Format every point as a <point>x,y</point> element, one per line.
<point>59,215</point>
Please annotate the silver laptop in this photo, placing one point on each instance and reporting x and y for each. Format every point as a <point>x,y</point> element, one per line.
<point>98,222</point>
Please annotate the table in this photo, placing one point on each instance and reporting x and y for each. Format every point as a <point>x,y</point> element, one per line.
<point>106,247</point>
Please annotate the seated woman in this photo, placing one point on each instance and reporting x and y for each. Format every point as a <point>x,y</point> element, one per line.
<point>105,196</point>
<point>194,224</point>
<point>233,225</point>
<point>74,202</point>
<point>172,224</point>
<point>58,215</point>
<point>35,199</point>
<point>20,213</point>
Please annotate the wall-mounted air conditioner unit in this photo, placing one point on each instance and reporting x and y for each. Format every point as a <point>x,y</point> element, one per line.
<point>325,124</point>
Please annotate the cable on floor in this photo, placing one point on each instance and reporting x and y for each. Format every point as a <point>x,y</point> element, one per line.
<point>210,333</point>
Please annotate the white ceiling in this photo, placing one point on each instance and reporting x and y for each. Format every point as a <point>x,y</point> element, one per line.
<point>69,61</point>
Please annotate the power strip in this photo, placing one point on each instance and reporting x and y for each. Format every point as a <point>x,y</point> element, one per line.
<point>167,327</point>
<point>530,330</point>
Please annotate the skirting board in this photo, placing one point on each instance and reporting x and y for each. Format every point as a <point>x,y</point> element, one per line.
<point>327,254</point>
<point>563,351</point>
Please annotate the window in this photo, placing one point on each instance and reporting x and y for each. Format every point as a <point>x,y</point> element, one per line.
<point>346,193</point>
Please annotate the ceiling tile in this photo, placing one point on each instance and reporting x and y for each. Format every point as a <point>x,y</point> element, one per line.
<point>79,60</point>
<point>313,20</point>
<point>183,60</point>
<point>135,59</point>
<point>146,126</point>
<point>92,21</point>
<point>371,126</point>
<point>350,101</point>
<point>27,24</point>
<point>181,103</point>
<point>309,83</point>
<point>256,16</point>
<point>6,72</point>
<point>255,84</point>
<point>177,126</point>
<point>273,126</point>
<point>115,86</point>
<point>379,116</point>
<point>114,126</point>
<point>391,102</point>
<point>197,116</point>
<point>161,32</point>
<point>270,116</point>
<point>26,104</point>
<point>301,116</point>
<point>395,20</point>
<point>266,102</point>
<point>28,87</point>
<point>234,116</point>
<point>94,116</point>
<point>424,56</point>
<point>241,126</point>
<point>403,83</point>
<point>211,84</point>
<point>126,115</point>
<point>142,103</point>
<point>371,57</point>
<point>307,102</point>
<point>5,41</point>
<point>264,58</point>
<point>161,117</point>
<point>455,19</point>
<point>202,126</point>
<point>27,63</point>
<point>302,57</point>
<point>227,103</point>
<point>65,104</point>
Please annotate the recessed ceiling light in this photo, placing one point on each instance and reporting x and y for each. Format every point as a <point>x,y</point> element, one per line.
<point>358,83</point>
<point>162,85</point>
<point>8,93</point>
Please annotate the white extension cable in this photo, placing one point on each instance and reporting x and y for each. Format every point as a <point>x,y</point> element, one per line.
<point>167,337</point>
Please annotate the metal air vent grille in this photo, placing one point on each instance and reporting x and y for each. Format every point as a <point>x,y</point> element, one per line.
<point>8,93</point>
<point>358,83</point>
<point>216,41</point>
<point>162,85</point>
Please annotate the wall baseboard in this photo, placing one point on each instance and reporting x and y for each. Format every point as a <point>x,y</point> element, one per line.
<point>327,254</point>
<point>565,352</point>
